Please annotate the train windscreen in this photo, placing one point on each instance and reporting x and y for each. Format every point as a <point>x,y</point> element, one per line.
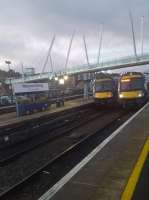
<point>131,84</point>
<point>103,86</point>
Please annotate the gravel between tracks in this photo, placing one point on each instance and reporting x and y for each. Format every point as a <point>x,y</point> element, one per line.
<point>26,164</point>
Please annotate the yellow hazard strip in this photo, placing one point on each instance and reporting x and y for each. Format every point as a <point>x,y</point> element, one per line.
<point>133,179</point>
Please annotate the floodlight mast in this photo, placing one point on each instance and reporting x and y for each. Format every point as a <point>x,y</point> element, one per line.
<point>86,52</point>
<point>51,63</point>
<point>68,52</point>
<point>22,68</point>
<point>133,34</point>
<point>142,34</point>
<point>100,43</point>
<point>8,62</point>
<point>49,54</point>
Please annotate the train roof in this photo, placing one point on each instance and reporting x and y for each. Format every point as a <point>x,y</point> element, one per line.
<point>103,76</point>
<point>132,75</point>
<point>104,79</point>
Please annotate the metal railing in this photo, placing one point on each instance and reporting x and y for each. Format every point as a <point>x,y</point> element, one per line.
<point>110,64</point>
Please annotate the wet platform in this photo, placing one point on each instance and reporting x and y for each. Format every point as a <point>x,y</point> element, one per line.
<point>11,118</point>
<point>105,173</point>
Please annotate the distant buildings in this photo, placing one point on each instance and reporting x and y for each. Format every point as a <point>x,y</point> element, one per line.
<point>4,90</point>
<point>29,71</point>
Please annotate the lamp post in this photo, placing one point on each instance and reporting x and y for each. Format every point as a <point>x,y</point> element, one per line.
<point>65,77</point>
<point>10,82</point>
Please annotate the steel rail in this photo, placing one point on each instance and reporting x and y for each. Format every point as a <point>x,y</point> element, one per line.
<point>77,145</point>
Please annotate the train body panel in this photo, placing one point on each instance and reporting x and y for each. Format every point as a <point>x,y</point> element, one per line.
<point>105,89</point>
<point>103,95</point>
<point>131,94</point>
<point>132,89</point>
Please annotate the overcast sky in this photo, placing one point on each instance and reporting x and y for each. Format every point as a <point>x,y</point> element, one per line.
<point>27,28</point>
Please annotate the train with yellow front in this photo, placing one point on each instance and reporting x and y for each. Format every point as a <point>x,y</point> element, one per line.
<point>104,89</point>
<point>132,89</point>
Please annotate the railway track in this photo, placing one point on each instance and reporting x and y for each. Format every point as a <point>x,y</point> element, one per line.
<point>47,131</point>
<point>71,148</point>
<point>19,132</point>
<point>7,109</point>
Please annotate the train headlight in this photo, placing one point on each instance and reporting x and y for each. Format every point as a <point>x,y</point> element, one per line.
<point>121,95</point>
<point>110,94</point>
<point>141,94</point>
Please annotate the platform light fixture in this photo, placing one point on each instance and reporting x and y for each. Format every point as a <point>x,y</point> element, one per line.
<point>65,77</point>
<point>61,81</point>
<point>56,78</point>
<point>109,71</point>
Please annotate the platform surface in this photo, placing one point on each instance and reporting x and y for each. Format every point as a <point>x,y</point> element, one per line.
<point>11,118</point>
<point>106,175</point>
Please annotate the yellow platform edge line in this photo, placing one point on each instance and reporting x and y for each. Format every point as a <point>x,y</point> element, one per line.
<point>134,177</point>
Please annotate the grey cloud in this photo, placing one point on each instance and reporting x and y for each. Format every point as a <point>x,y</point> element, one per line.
<point>28,25</point>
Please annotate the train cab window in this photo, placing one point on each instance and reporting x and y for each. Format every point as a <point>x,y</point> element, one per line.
<point>132,84</point>
<point>103,86</point>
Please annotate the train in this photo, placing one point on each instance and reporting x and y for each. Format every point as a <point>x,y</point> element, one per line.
<point>128,89</point>
<point>105,89</point>
<point>132,89</point>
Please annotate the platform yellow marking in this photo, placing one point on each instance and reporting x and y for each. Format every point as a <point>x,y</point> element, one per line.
<point>134,177</point>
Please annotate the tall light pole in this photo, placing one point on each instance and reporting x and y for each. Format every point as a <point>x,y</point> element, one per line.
<point>86,52</point>
<point>133,34</point>
<point>86,82</point>
<point>68,52</point>
<point>49,54</point>
<point>22,67</point>
<point>142,34</point>
<point>10,83</point>
<point>100,44</point>
<point>8,63</point>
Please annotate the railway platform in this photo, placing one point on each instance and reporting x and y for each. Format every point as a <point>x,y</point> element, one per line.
<point>111,171</point>
<point>11,118</point>
<point>141,189</point>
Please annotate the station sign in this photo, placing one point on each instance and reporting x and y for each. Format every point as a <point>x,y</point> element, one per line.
<point>30,87</point>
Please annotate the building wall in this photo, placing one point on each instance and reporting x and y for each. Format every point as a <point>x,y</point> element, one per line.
<point>4,90</point>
